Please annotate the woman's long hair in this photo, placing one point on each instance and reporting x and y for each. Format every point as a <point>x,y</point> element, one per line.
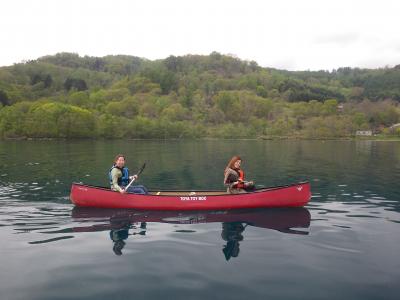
<point>231,163</point>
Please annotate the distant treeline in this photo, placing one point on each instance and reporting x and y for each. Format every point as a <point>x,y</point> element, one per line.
<point>68,96</point>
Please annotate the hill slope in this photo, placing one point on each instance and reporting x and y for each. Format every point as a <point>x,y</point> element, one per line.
<point>66,95</point>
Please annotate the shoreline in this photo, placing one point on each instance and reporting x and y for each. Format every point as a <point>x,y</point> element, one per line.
<point>268,138</point>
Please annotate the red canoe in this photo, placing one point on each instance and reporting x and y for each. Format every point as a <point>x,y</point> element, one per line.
<point>282,196</point>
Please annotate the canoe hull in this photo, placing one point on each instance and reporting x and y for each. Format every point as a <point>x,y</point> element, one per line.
<point>295,195</point>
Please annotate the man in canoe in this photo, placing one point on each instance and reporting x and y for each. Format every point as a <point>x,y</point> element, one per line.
<point>234,177</point>
<point>119,175</point>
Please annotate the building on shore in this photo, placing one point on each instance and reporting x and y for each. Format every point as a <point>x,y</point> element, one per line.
<point>394,127</point>
<point>364,133</point>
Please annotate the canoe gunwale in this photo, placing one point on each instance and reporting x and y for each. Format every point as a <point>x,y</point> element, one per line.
<point>218,193</point>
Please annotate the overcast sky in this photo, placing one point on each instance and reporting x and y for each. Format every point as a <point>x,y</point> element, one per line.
<point>285,34</point>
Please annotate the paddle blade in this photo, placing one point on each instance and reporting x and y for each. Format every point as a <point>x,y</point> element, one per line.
<point>141,169</point>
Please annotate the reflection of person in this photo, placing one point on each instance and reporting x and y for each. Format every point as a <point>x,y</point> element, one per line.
<point>119,175</point>
<point>234,177</point>
<point>232,233</point>
<point>121,232</point>
<point>118,236</point>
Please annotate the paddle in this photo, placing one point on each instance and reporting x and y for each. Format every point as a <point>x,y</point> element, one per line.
<point>134,178</point>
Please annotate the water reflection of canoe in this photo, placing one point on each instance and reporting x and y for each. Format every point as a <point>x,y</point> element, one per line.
<point>281,219</point>
<point>294,195</point>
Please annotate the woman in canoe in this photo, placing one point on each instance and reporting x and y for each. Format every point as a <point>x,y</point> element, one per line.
<point>234,177</point>
<point>119,175</point>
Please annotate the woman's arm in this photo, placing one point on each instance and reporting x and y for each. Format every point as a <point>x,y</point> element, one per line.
<point>230,179</point>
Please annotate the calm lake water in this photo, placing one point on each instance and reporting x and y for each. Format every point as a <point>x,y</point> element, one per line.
<point>344,245</point>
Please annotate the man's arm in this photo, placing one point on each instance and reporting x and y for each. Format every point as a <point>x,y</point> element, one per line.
<point>115,174</point>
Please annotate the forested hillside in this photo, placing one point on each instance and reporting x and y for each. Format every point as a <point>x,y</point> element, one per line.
<point>68,96</point>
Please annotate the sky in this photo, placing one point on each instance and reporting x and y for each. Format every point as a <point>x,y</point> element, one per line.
<point>284,34</point>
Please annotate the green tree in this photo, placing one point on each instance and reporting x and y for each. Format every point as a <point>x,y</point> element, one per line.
<point>78,84</point>
<point>4,98</point>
